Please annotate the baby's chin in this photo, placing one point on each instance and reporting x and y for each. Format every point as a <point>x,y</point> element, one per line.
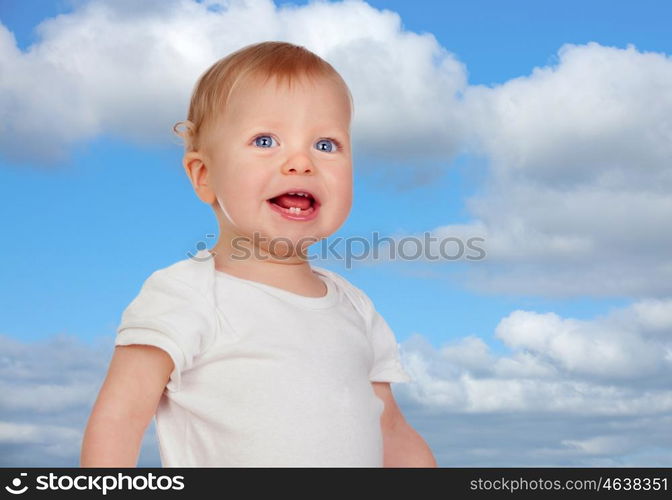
<point>274,238</point>
<point>298,238</point>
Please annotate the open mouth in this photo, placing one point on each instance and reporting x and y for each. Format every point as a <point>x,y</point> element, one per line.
<point>297,205</point>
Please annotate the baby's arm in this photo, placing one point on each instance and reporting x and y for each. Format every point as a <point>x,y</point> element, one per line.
<point>126,404</point>
<point>402,445</point>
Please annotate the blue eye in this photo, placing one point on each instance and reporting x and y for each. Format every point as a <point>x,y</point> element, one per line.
<point>263,141</point>
<point>327,145</point>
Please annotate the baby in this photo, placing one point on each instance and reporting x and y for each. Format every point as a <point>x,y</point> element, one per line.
<point>245,354</point>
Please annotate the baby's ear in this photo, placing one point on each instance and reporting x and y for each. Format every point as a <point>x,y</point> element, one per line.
<point>197,172</point>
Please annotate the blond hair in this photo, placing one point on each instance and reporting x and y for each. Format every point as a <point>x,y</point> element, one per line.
<point>282,60</point>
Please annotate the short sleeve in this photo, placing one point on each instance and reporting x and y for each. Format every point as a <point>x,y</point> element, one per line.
<point>173,316</point>
<point>387,365</point>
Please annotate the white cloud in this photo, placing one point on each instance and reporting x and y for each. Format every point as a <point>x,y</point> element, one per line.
<point>577,201</point>
<point>576,197</point>
<point>600,116</point>
<point>27,433</point>
<point>116,68</point>
<point>568,392</point>
<point>608,365</point>
<point>586,347</point>
<point>601,445</point>
<point>48,389</point>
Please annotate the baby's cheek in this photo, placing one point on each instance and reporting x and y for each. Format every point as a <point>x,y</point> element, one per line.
<point>343,183</point>
<point>346,197</point>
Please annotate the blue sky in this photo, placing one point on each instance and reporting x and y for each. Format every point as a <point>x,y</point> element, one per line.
<point>84,230</point>
<point>496,41</point>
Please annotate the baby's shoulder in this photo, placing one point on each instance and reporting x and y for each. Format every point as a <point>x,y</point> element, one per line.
<point>189,275</point>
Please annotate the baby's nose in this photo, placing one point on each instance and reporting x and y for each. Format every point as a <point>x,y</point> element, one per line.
<point>299,164</point>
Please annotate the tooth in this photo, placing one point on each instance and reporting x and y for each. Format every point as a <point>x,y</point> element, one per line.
<point>291,193</point>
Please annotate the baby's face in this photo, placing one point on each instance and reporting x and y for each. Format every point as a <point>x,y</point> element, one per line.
<point>271,141</point>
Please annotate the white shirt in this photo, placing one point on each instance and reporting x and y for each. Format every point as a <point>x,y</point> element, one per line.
<point>263,376</point>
